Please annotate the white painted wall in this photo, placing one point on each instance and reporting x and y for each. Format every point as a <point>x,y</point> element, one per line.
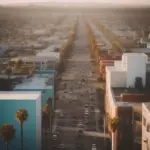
<point>118,64</point>
<point>118,78</point>
<point>135,66</point>
<point>111,105</point>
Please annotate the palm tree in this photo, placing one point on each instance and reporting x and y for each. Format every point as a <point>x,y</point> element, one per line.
<point>45,113</point>
<point>45,124</point>
<point>113,126</point>
<point>7,133</point>
<point>21,117</point>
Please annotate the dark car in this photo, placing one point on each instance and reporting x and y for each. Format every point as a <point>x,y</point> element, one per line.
<point>61,146</point>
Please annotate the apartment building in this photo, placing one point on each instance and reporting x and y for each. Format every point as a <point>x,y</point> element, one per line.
<point>127,87</point>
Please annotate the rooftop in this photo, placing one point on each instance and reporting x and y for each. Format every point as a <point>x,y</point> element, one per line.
<point>32,58</point>
<point>141,50</point>
<point>130,96</point>
<point>38,81</point>
<point>15,95</point>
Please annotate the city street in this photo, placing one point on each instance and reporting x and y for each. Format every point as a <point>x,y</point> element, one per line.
<point>76,107</point>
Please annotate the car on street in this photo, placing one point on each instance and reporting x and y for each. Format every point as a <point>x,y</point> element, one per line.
<point>54,137</point>
<point>54,141</point>
<point>61,146</point>
<point>61,114</point>
<point>81,126</point>
<point>86,106</point>
<point>94,147</point>
<point>86,112</point>
<point>58,129</point>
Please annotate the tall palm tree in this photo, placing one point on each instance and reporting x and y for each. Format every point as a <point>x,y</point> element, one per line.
<point>113,125</point>
<point>7,133</point>
<point>21,117</point>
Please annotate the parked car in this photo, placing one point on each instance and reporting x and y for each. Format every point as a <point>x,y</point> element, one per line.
<point>81,126</point>
<point>86,106</point>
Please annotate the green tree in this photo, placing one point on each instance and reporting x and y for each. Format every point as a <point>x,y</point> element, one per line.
<point>113,126</point>
<point>7,133</point>
<point>21,117</point>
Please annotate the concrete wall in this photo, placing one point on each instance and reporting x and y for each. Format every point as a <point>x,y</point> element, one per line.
<point>45,94</point>
<point>135,66</point>
<point>118,79</point>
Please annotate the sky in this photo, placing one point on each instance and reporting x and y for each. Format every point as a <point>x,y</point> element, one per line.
<point>76,1</point>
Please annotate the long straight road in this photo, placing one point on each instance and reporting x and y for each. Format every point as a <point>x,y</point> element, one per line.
<point>76,94</point>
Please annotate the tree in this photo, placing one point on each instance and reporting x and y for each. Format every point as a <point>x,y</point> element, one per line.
<point>21,117</point>
<point>8,72</point>
<point>113,126</point>
<point>7,133</point>
<point>18,64</point>
<point>45,113</point>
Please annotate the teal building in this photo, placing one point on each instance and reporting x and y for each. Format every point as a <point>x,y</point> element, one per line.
<point>10,103</point>
<point>42,80</point>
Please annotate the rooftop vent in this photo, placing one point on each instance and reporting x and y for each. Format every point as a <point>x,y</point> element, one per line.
<point>138,84</point>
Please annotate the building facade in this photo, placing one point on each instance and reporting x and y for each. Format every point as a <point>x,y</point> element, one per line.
<point>123,100</point>
<point>42,80</point>
<point>10,103</point>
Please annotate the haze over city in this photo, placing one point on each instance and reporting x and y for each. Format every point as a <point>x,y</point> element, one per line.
<point>77,1</point>
<point>74,75</point>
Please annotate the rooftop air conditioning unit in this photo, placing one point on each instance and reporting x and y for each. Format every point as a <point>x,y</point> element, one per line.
<point>138,83</point>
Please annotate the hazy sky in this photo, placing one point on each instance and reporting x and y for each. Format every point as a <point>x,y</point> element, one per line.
<point>76,1</point>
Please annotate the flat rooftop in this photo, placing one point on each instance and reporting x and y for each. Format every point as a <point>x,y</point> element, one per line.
<point>117,97</point>
<point>16,95</point>
<point>147,105</point>
<point>38,81</point>
<point>141,50</point>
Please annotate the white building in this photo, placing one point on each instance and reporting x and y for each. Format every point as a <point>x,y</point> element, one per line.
<point>120,101</point>
<point>145,126</point>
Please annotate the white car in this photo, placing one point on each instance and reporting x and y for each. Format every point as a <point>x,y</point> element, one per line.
<point>86,112</point>
<point>86,105</point>
<point>94,147</point>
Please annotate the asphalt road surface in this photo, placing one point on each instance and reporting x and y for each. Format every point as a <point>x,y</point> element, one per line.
<point>76,103</point>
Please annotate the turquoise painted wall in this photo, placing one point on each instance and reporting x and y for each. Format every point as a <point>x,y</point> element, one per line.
<point>8,109</point>
<point>45,94</point>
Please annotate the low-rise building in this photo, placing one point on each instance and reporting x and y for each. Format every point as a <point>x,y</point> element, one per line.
<point>42,80</point>
<point>127,86</point>
<point>10,103</point>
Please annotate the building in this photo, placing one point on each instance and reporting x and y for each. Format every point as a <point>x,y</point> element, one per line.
<point>127,86</point>
<point>40,62</point>
<point>10,103</point>
<point>146,126</point>
<point>42,80</point>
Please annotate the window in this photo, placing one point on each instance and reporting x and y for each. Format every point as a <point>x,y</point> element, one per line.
<point>144,121</point>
